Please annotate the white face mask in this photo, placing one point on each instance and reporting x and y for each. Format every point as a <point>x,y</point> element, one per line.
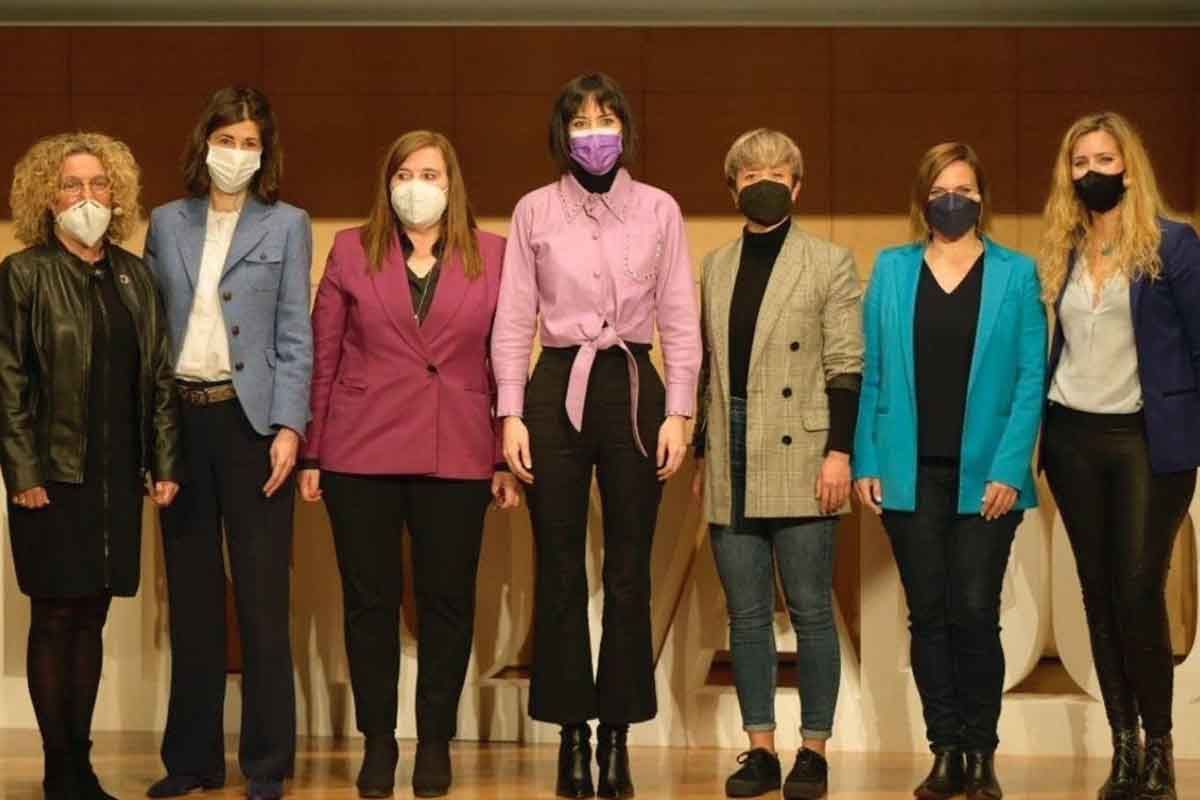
<point>231,169</point>
<point>418,203</point>
<point>87,221</point>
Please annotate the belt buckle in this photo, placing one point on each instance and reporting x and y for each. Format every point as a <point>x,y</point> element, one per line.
<point>196,395</point>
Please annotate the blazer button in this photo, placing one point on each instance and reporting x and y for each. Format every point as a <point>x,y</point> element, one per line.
<point>239,366</point>
<point>235,330</point>
<point>227,296</point>
<point>787,440</point>
<point>431,369</point>
<point>787,391</point>
<point>794,346</point>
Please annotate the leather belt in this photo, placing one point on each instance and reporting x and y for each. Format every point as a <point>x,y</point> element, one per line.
<point>200,394</point>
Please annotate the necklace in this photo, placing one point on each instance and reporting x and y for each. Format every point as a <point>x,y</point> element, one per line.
<point>421,301</point>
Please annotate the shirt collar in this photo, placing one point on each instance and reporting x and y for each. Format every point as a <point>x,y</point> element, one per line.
<point>575,198</point>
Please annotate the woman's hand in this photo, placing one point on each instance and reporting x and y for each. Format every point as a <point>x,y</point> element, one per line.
<point>283,458</point>
<point>310,484</point>
<point>998,500</point>
<point>505,490</point>
<point>671,446</point>
<point>870,493</point>
<point>516,449</point>
<point>833,481</point>
<point>164,493</point>
<point>32,499</point>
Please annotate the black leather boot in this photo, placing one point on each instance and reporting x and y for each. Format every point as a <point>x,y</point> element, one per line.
<point>612,759</point>
<point>945,779</point>
<point>1122,783</point>
<point>85,777</point>
<point>431,768</point>
<point>377,777</point>
<point>575,762</point>
<point>1158,773</point>
<point>59,782</point>
<point>980,776</point>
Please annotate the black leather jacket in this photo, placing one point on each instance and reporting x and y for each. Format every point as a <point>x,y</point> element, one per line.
<point>46,330</point>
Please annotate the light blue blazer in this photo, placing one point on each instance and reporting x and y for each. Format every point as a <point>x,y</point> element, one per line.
<point>265,292</point>
<point>1004,392</point>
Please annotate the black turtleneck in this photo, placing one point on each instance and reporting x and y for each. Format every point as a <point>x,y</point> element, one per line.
<point>594,184</point>
<point>759,251</point>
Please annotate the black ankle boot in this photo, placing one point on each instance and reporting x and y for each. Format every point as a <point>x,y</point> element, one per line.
<point>85,777</point>
<point>575,762</point>
<point>431,768</point>
<point>980,776</point>
<point>612,759</point>
<point>59,782</point>
<point>1122,783</point>
<point>377,777</point>
<point>1158,773</point>
<point>945,779</point>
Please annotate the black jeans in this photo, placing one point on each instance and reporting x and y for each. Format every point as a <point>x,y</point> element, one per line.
<point>563,689</point>
<point>227,463</point>
<point>1122,520</point>
<point>445,519</point>
<point>952,567</point>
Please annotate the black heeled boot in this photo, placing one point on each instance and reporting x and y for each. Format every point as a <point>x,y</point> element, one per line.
<point>431,768</point>
<point>59,781</point>
<point>85,777</point>
<point>945,779</point>
<point>377,777</point>
<point>1122,783</point>
<point>612,758</point>
<point>1158,773</point>
<point>980,776</point>
<point>575,762</point>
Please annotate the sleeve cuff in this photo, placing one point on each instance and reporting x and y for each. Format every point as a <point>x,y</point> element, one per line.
<point>681,400</point>
<point>510,400</point>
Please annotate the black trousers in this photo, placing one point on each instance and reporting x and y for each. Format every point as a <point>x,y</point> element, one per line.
<point>952,566</point>
<point>445,518</point>
<point>1122,520</point>
<point>227,464</point>
<point>563,689</point>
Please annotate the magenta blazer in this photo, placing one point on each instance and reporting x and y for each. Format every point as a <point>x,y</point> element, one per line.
<point>389,396</point>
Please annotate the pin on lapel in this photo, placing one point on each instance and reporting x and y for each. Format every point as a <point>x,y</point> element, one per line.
<point>123,278</point>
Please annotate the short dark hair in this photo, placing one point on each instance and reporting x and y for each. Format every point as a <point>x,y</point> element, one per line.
<point>229,106</point>
<point>573,96</point>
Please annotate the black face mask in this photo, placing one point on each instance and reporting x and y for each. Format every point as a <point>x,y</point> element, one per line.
<point>1100,192</point>
<point>766,202</point>
<point>952,214</point>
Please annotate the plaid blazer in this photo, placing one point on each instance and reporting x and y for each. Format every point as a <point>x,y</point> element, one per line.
<point>809,330</point>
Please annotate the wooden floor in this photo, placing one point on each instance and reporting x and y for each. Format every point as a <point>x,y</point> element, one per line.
<point>128,763</point>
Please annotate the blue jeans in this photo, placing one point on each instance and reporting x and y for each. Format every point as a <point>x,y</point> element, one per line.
<point>746,552</point>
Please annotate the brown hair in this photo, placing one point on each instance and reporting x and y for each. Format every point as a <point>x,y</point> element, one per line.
<point>936,159</point>
<point>572,97</point>
<point>458,223</point>
<point>230,106</point>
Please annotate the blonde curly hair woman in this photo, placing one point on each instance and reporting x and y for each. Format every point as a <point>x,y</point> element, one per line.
<point>1123,420</point>
<point>87,407</point>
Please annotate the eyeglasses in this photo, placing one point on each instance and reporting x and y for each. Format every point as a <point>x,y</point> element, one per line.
<point>73,187</point>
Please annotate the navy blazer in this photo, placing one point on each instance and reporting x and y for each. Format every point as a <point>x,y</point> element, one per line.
<point>264,289</point>
<point>1166,331</point>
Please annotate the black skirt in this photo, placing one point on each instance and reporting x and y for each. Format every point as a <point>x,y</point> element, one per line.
<point>88,541</point>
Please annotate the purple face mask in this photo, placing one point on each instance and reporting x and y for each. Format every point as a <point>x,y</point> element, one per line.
<point>596,151</point>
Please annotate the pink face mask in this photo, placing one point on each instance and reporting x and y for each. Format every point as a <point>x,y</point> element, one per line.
<point>597,151</point>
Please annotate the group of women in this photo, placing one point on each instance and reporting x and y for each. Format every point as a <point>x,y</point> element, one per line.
<point>197,375</point>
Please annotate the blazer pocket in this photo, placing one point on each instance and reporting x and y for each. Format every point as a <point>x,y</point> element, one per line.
<point>265,265</point>
<point>816,419</point>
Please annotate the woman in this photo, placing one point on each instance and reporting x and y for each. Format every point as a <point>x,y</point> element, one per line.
<point>950,409</point>
<point>1122,421</point>
<point>234,266</point>
<point>779,464</point>
<point>600,258</point>
<point>88,422</point>
<point>403,433</point>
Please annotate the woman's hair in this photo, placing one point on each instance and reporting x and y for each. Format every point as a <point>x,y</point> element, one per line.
<point>574,96</point>
<point>230,106</point>
<point>37,175</point>
<point>383,227</point>
<point>762,148</point>
<point>936,159</point>
<point>1067,221</point>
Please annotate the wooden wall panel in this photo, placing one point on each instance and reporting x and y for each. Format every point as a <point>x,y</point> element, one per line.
<point>736,60</point>
<point>1109,59</point>
<point>358,61</point>
<point>27,118</point>
<point>930,59</point>
<point>878,139</point>
<point>173,61</point>
<point>35,61</point>
<point>540,60</point>
<point>689,134</point>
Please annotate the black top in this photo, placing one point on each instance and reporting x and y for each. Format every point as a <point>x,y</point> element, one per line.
<point>943,344</point>
<point>759,252</point>
<point>422,288</point>
<point>595,184</point>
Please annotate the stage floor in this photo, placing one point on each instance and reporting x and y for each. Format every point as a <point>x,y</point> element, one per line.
<point>128,763</point>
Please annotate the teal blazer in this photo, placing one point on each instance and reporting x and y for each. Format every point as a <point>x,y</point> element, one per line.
<point>1005,391</point>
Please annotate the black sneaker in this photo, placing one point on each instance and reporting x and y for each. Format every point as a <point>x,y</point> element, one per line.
<point>759,774</point>
<point>809,778</point>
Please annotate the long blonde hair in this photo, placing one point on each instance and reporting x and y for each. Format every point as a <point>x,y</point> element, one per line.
<point>1068,222</point>
<point>458,223</point>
